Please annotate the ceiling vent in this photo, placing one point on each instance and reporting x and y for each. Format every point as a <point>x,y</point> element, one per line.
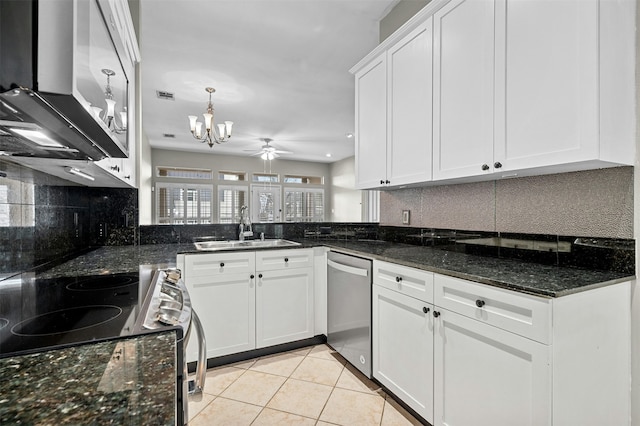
<point>167,96</point>
<point>169,135</point>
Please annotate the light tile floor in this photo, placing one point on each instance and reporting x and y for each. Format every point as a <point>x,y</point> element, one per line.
<point>310,386</point>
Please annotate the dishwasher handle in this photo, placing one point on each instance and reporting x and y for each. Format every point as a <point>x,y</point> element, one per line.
<point>348,269</point>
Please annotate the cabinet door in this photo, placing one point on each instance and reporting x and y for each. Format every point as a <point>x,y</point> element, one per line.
<point>225,305</point>
<point>463,89</point>
<point>410,103</point>
<point>371,124</point>
<point>546,83</point>
<point>403,348</point>
<point>487,376</point>
<point>284,306</point>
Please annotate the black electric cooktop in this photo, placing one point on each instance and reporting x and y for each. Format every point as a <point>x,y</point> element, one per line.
<point>42,313</point>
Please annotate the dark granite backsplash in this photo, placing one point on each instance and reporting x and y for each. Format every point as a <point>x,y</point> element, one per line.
<point>44,218</point>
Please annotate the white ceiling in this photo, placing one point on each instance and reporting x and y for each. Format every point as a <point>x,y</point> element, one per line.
<point>279,67</point>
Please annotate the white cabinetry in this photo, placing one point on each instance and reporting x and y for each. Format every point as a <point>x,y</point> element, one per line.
<point>393,113</point>
<point>371,124</point>
<point>463,88</point>
<point>504,358</point>
<point>513,97</point>
<point>402,334</point>
<point>496,94</point>
<point>222,290</point>
<point>463,353</point>
<point>487,376</point>
<point>248,300</point>
<point>284,296</point>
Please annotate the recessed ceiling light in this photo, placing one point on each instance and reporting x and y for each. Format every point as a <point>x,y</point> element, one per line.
<point>329,155</point>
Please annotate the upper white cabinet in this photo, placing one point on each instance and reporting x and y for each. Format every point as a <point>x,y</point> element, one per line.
<point>371,124</point>
<point>463,88</point>
<point>507,88</point>
<point>393,113</point>
<point>514,97</point>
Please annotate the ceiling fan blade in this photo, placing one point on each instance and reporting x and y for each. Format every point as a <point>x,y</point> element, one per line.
<point>282,152</point>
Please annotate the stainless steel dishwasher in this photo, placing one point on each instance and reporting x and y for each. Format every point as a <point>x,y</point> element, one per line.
<point>349,309</point>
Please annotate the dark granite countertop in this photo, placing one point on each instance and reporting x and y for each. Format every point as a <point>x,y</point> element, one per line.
<point>526,277</point>
<point>122,381</point>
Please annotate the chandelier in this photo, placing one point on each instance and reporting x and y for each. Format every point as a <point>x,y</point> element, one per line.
<point>210,136</point>
<point>109,116</point>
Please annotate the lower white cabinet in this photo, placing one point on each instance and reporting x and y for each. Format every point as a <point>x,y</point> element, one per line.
<point>465,353</point>
<point>403,348</point>
<point>487,376</point>
<point>226,306</point>
<point>242,307</point>
<point>284,306</point>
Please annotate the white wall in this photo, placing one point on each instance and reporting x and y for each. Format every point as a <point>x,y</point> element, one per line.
<point>346,201</point>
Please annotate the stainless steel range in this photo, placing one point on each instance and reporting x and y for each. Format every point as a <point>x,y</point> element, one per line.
<point>168,305</point>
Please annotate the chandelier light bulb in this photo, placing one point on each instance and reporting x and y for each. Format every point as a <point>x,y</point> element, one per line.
<point>111,107</point>
<point>229,125</point>
<point>199,129</point>
<point>208,118</point>
<point>192,122</point>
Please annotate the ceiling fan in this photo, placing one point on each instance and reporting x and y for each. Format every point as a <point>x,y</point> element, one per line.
<point>267,152</point>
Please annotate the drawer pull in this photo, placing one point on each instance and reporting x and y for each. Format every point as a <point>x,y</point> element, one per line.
<point>222,264</point>
<point>480,303</point>
<point>398,279</point>
<point>425,310</point>
<point>259,275</point>
<point>286,259</point>
<point>252,276</point>
<point>436,314</point>
<point>485,167</point>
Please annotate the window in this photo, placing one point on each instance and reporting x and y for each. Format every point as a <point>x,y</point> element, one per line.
<point>303,205</point>
<point>232,176</point>
<point>178,172</point>
<point>265,206</point>
<point>230,199</point>
<point>183,204</point>
<point>266,177</point>
<point>313,180</point>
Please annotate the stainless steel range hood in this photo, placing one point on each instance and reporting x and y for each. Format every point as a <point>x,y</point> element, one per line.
<point>51,57</point>
<point>31,127</point>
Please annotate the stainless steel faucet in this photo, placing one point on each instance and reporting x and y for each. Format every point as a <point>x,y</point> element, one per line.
<point>245,224</point>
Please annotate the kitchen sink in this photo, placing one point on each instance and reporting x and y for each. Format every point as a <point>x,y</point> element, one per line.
<point>247,244</point>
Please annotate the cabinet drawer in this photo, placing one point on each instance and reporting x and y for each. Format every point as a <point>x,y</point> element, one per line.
<point>203,265</point>
<point>284,259</point>
<point>410,281</point>
<point>519,313</point>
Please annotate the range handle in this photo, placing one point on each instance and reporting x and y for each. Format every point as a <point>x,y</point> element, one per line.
<point>348,269</point>
<point>196,385</point>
